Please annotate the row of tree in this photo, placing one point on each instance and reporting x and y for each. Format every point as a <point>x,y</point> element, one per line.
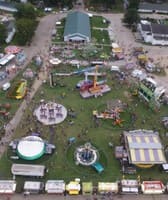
<point>25,23</point>
<point>131,16</point>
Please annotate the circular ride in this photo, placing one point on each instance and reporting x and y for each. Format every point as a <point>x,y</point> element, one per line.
<point>86,154</point>
<point>31,148</point>
<point>12,49</point>
<point>50,113</point>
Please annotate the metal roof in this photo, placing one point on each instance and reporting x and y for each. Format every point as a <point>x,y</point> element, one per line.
<point>153,6</point>
<point>146,27</point>
<point>77,23</point>
<point>159,29</point>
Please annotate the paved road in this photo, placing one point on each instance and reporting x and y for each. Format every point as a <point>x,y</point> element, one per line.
<point>58,197</point>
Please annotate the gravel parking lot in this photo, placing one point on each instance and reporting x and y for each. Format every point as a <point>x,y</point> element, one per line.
<point>125,38</point>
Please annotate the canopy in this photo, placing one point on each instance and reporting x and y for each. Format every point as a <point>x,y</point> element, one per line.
<point>117,50</point>
<point>104,187</point>
<point>87,187</point>
<point>55,61</point>
<point>12,49</point>
<point>152,187</point>
<point>73,187</point>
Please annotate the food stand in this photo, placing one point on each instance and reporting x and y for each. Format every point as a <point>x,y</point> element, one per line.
<point>7,186</point>
<point>106,187</point>
<point>55,187</point>
<point>129,186</point>
<point>87,188</point>
<point>73,188</point>
<point>152,187</point>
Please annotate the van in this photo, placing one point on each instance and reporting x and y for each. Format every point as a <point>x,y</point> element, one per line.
<point>115,69</point>
<point>6,86</point>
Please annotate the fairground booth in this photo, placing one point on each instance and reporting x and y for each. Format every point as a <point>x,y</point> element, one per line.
<point>87,188</point>
<point>129,186</point>
<point>7,186</point>
<point>73,187</point>
<point>152,187</point>
<point>28,170</point>
<point>33,187</point>
<point>107,187</point>
<point>55,187</point>
<point>144,148</point>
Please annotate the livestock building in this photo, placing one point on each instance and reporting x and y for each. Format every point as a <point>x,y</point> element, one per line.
<point>77,27</point>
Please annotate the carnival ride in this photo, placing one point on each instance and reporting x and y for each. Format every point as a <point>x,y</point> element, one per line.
<point>19,90</point>
<point>112,112</point>
<point>31,147</point>
<point>76,72</point>
<point>151,93</point>
<point>87,155</point>
<point>50,113</point>
<point>95,89</point>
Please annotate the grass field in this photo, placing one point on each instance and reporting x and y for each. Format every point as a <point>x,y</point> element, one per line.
<point>61,164</point>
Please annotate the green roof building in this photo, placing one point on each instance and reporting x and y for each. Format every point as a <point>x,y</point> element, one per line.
<point>77,27</point>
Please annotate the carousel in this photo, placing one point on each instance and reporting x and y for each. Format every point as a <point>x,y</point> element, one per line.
<point>50,113</point>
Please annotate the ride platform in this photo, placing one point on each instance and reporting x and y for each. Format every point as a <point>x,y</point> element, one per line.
<point>103,89</point>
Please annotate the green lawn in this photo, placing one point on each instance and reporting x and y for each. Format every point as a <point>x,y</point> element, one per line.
<point>100,36</point>
<point>98,22</point>
<point>61,164</point>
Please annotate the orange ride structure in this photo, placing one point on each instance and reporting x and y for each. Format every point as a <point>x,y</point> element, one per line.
<point>95,89</point>
<point>112,113</point>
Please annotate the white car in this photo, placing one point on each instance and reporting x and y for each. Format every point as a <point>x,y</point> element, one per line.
<point>47,9</point>
<point>138,74</point>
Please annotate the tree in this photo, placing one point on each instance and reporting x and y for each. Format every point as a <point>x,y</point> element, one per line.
<point>24,30</point>
<point>131,16</point>
<point>2,33</point>
<point>133,4</point>
<point>25,11</point>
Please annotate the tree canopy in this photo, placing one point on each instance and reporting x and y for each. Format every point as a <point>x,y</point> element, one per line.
<point>25,23</point>
<point>131,16</point>
<point>25,30</point>
<point>2,33</point>
<point>25,11</point>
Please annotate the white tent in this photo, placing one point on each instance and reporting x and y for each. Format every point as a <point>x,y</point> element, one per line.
<point>7,186</point>
<point>55,186</point>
